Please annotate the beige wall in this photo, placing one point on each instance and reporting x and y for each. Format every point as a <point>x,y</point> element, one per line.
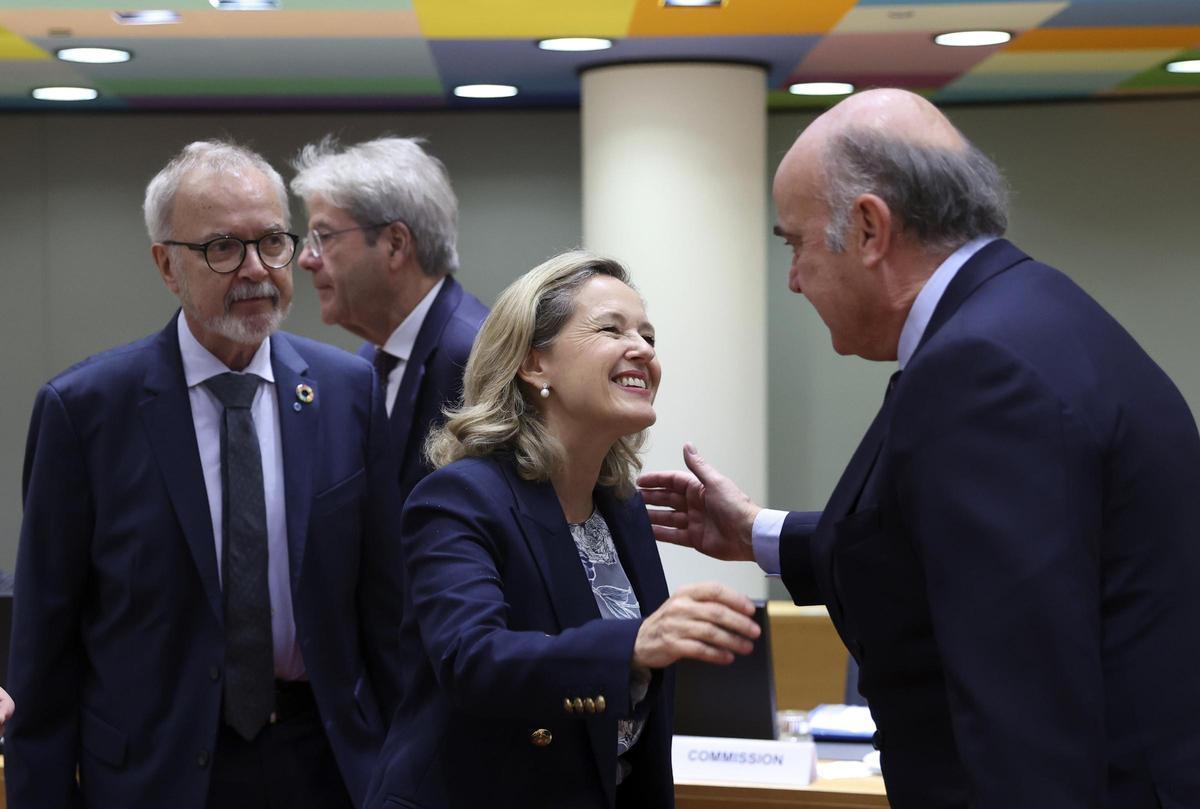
<point>74,255</point>
<point>1103,191</point>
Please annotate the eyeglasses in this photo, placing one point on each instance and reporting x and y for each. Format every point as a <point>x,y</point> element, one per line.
<point>226,254</point>
<point>313,241</point>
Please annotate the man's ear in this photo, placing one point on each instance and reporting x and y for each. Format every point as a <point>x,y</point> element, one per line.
<point>399,241</point>
<point>872,229</point>
<point>531,370</point>
<point>161,254</point>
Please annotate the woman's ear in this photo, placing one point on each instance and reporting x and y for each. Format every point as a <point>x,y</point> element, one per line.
<point>531,371</point>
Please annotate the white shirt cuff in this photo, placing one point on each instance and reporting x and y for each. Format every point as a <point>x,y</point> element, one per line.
<point>764,535</point>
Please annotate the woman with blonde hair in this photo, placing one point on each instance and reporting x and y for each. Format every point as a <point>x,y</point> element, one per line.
<point>537,618</point>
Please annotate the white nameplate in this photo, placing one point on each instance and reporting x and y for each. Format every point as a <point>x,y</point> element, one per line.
<point>706,759</point>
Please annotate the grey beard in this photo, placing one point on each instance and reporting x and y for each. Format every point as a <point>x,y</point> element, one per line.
<point>245,330</point>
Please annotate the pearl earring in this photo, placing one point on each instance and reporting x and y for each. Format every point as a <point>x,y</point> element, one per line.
<point>545,391</point>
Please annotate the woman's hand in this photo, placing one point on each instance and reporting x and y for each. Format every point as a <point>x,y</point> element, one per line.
<point>707,621</point>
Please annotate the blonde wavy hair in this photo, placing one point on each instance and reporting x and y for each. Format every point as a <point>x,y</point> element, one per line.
<point>498,413</point>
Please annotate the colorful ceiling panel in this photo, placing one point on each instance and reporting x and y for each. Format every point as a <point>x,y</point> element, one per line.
<point>411,54</point>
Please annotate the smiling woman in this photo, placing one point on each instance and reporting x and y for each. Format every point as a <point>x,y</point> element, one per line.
<point>537,600</point>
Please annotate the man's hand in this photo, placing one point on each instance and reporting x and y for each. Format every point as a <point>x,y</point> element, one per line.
<point>705,510</point>
<point>708,621</point>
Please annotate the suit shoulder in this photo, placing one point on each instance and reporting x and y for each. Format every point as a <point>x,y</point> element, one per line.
<point>471,310</point>
<point>477,469</point>
<point>111,368</point>
<point>471,477</point>
<point>463,326</point>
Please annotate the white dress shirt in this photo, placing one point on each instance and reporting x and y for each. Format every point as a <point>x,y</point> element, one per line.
<point>768,525</point>
<point>199,365</point>
<point>400,344</point>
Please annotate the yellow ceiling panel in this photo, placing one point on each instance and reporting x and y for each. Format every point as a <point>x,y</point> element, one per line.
<point>98,24</point>
<point>523,19</point>
<point>1107,61</point>
<point>1095,39</point>
<point>13,46</point>
<point>738,17</point>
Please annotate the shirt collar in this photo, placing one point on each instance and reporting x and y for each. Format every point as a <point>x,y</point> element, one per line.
<point>400,344</point>
<point>199,364</point>
<point>930,294</point>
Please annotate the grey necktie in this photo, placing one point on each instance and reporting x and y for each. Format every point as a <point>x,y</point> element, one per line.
<point>249,657</point>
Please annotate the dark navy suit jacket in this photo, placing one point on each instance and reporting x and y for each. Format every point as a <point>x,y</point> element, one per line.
<point>118,640</point>
<point>503,630</point>
<point>1013,556</point>
<point>432,377</point>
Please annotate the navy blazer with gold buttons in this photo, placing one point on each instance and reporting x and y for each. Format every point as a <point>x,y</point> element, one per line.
<point>516,681</point>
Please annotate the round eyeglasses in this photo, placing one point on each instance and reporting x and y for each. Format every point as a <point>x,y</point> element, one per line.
<point>226,254</point>
<point>313,242</point>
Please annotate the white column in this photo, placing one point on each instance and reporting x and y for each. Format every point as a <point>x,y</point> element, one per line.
<point>674,187</point>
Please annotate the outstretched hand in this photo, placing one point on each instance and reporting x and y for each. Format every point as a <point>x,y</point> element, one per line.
<point>708,621</point>
<point>703,509</point>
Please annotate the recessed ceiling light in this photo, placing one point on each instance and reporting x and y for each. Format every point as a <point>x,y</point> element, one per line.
<point>575,44</point>
<point>64,93</point>
<point>485,91</point>
<point>821,88</point>
<point>693,3</point>
<point>1184,66</point>
<point>152,16</point>
<point>94,56</point>
<point>972,39</point>
<point>244,5</point>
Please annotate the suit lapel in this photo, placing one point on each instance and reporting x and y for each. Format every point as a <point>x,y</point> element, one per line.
<point>553,550</point>
<point>426,344</point>
<point>167,417</point>
<point>638,553</point>
<point>992,259</point>
<point>299,428</point>
<point>845,498</point>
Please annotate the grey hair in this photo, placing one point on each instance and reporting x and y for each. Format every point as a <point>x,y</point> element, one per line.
<point>498,412</point>
<point>944,197</point>
<point>387,180</point>
<point>204,155</point>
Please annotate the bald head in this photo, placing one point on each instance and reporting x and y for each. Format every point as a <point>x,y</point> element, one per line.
<point>894,144</point>
<point>897,114</point>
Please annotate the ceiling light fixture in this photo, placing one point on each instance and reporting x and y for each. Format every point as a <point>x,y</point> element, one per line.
<point>972,39</point>
<point>575,44</point>
<point>1184,66</point>
<point>153,16</point>
<point>94,56</point>
<point>244,5</point>
<point>64,93</point>
<point>693,3</point>
<point>821,88</point>
<point>485,91</point>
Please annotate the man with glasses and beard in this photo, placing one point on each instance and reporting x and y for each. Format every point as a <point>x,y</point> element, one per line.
<point>206,599</point>
<point>382,250</point>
